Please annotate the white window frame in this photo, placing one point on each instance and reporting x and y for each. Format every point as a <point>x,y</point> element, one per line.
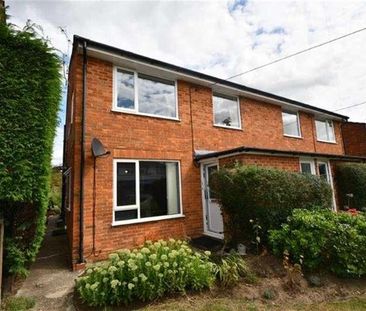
<point>330,181</point>
<point>312,165</point>
<point>298,124</point>
<point>68,192</point>
<point>136,97</point>
<point>214,94</point>
<point>137,205</point>
<point>316,130</point>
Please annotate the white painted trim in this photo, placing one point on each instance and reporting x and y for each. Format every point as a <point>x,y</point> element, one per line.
<point>146,219</point>
<point>309,161</point>
<point>206,82</point>
<point>137,206</point>
<point>135,111</point>
<point>298,123</point>
<point>293,136</point>
<point>213,111</point>
<point>330,176</point>
<point>203,166</point>
<point>327,128</point>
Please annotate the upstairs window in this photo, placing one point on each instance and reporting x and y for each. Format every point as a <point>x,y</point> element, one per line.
<point>291,124</point>
<point>325,130</point>
<point>226,111</point>
<point>145,95</point>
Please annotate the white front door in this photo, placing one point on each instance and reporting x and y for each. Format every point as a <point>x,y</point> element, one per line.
<point>213,225</point>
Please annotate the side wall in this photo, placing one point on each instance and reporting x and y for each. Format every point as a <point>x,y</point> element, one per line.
<point>354,136</point>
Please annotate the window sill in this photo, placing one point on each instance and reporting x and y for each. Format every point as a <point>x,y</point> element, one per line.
<point>228,127</point>
<point>293,136</point>
<point>144,114</point>
<point>326,141</point>
<point>148,219</point>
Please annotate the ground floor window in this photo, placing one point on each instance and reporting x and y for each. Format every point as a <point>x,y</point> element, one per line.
<point>145,189</point>
<point>323,169</point>
<point>307,166</point>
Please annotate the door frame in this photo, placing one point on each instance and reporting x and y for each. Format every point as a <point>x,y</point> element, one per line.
<point>203,165</point>
<point>329,169</point>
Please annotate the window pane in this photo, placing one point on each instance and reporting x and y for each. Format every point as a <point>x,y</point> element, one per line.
<point>306,168</point>
<point>323,171</point>
<point>226,111</point>
<point>210,171</point>
<point>126,184</point>
<point>159,189</point>
<point>125,89</point>
<point>290,124</point>
<point>330,131</point>
<point>321,130</point>
<point>156,97</point>
<point>125,215</point>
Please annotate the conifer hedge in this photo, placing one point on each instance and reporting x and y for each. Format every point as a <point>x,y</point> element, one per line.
<point>30,93</point>
<point>266,196</point>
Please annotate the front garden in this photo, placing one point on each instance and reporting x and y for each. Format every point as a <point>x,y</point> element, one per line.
<point>299,251</point>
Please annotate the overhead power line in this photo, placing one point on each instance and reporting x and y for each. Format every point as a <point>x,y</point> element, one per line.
<point>297,53</point>
<point>359,104</point>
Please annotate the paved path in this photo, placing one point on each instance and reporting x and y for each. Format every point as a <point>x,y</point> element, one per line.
<point>50,280</point>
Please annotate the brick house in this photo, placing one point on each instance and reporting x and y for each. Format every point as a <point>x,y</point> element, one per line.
<point>166,128</point>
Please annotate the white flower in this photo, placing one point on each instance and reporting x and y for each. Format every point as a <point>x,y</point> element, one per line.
<point>94,286</point>
<point>112,269</point>
<point>148,264</point>
<point>153,256</point>
<point>130,286</point>
<point>145,250</point>
<point>135,279</point>
<point>207,253</point>
<point>164,257</point>
<point>115,283</point>
<point>157,267</point>
<point>143,277</point>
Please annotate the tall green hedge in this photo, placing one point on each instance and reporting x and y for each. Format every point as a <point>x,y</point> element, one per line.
<point>266,194</point>
<point>351,179</point>
<point>30,93</point>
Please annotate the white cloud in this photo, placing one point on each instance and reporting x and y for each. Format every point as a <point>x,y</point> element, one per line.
<point>225,38</point>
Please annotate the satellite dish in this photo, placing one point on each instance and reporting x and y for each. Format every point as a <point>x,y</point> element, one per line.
<point>98,148</point>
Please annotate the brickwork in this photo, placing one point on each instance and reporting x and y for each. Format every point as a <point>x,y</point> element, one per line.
<point>139,137</point>
<point>354,136</point>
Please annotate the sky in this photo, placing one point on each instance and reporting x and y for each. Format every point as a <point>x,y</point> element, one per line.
<point>224,38</point>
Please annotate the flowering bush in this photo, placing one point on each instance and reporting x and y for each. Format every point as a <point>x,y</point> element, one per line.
<point>146,273</point>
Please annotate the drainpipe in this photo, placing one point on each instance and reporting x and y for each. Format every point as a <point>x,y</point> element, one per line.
<point>82,160</point>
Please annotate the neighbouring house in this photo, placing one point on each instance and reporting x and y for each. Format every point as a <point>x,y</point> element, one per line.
<point>354,137</point>
<point>162,130</point>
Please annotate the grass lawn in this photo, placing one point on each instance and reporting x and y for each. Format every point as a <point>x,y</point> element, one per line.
<point>227,304</point>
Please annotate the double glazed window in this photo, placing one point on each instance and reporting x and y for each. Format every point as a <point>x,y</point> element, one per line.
<point>291,124</point>
<point>145,189</point>
<point>138,93</point>
<point>226,111</point>
<point>325,130</point>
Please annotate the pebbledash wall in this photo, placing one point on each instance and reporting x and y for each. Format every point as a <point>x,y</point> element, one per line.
<point>139,137</point>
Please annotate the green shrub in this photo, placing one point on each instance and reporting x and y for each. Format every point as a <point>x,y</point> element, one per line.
<point>146,273</point>
<point>30,88</point>
<point>230,269</point>
<point>326,240</point>
<point>351,178</point>
<point>19,303</point>
<point>264,194</point>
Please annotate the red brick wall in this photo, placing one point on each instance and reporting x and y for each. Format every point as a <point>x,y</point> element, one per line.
<point>139,137</point>
<point>354,135</point>
<point>284,163</point>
